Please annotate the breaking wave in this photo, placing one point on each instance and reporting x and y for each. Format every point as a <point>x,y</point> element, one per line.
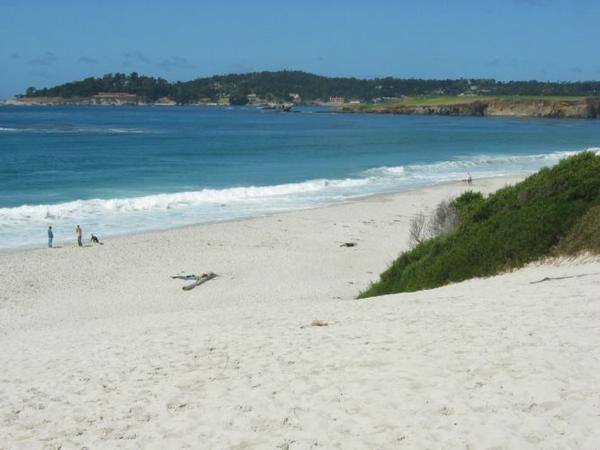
<point>22,225</point>
<point>478,163</point>
<point>77,209</point>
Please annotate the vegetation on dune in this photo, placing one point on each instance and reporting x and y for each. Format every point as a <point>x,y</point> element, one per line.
<point>583,237</point>
<point>278,86</point>
<point>553,212</point>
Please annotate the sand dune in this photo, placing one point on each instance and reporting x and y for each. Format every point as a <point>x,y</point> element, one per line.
<point>100,348</point>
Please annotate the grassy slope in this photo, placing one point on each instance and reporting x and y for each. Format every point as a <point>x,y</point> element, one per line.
<point>510,228</point>
<point>455,100</point>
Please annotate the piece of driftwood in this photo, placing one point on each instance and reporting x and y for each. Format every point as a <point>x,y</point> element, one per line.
<point>316,323</point>
<point>199,280</point>
<point>562,278</point>
<point>184,277</point>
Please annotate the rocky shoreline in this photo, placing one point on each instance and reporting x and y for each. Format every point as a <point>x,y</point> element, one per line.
<point>100,99</point>
<point>585,108</point>
<point>588,108</point>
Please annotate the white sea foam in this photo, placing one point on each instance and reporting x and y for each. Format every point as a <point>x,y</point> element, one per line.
<point>479,162</point>
<point>170,201</point>
<point>73,130</point>
<point>21,225</point>
<point>123,130</point>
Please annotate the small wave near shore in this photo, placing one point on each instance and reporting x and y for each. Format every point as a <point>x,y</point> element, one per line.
<point>67,129</point>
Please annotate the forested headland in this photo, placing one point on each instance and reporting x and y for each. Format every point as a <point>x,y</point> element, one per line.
<point>300,86</point>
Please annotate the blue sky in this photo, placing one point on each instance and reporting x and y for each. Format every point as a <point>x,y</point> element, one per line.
<point>44,43</point>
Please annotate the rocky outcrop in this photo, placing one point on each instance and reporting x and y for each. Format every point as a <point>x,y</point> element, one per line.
<point>116,98</point>
<point>102,99</point>
<point>569,109</point>
<point>165,101</point>
<point>35,101</point>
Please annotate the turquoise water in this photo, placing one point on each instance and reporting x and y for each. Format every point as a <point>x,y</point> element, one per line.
<point>119,170</point>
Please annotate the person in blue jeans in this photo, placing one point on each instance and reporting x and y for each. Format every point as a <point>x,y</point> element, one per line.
<point>50,237</point>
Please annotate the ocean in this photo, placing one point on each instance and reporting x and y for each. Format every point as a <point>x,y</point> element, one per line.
<point>118,170</point>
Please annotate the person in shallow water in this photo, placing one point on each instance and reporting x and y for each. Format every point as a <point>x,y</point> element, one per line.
<point>78,233</point>
<point>50,237</point>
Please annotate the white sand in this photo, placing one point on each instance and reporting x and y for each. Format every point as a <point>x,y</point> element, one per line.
<point>100,348</point>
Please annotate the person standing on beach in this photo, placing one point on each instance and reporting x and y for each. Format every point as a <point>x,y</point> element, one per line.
<point>78,233</point>
<point>50,237</point>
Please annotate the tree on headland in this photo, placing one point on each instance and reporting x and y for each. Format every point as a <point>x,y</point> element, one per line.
<point>238,98</point>
<point>277,86</point>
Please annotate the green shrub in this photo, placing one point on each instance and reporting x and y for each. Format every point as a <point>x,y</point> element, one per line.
<point>584,236</point>
<point>514,226</point>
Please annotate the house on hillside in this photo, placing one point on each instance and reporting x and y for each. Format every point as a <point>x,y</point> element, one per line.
<point>337,100</point>
<point>115,98</point>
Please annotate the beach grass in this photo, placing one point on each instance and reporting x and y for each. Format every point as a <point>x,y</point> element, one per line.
<point>584,236</point>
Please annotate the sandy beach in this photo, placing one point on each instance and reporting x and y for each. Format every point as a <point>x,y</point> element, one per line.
<point>101,348</point>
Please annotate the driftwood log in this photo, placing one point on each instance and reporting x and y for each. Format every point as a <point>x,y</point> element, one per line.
<point>197,279</point>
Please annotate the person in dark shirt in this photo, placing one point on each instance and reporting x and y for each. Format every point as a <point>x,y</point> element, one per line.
<point>50,237</point>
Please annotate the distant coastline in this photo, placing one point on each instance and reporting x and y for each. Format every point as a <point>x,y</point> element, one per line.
<point>101,99</point>
<point>125,99</point>
<point>282,90</point>
<point>513,106</point>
